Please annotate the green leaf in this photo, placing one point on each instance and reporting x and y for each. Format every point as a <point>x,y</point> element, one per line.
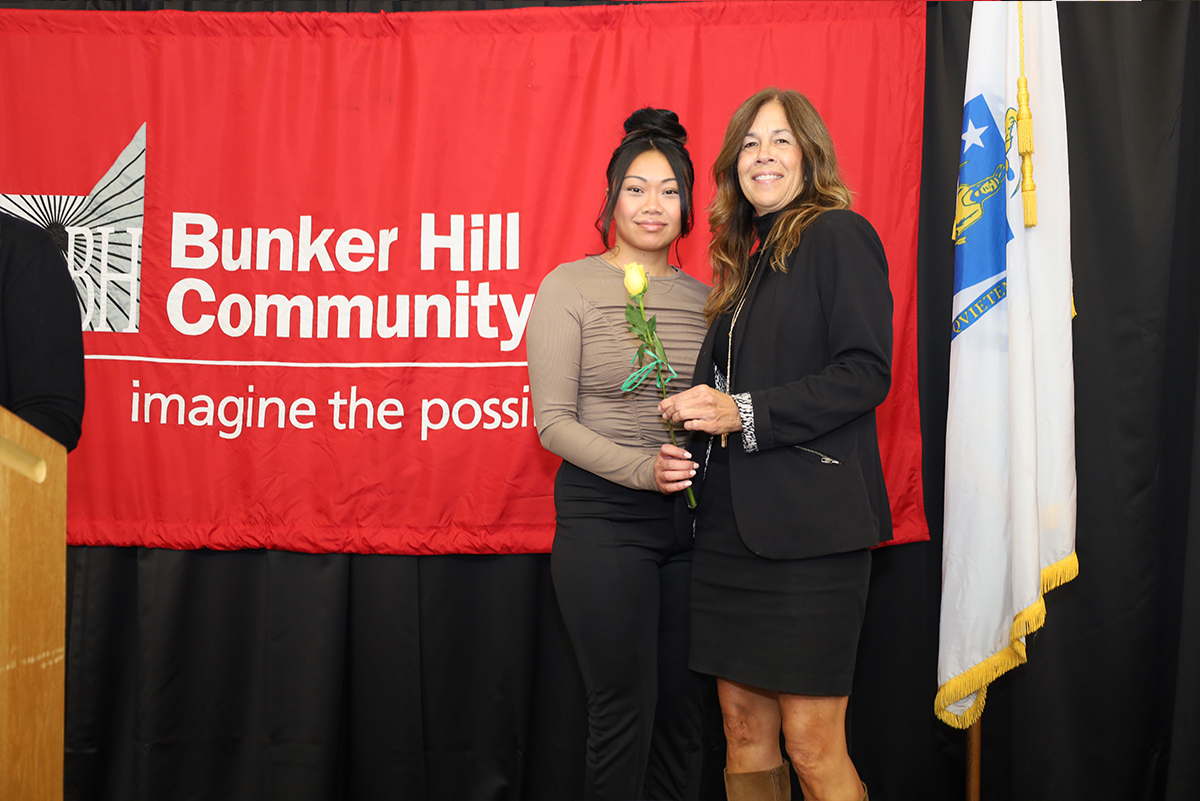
<point>658,350</point>
<point>637,323</point>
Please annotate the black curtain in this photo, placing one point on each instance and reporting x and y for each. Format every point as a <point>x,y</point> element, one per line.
<point>271,675</point>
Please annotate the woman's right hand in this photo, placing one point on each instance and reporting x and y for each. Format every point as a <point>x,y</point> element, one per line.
<point>673,469</point>
<point>702,408</point>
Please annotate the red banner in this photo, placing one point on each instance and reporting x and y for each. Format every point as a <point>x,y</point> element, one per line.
<point>306,245</point>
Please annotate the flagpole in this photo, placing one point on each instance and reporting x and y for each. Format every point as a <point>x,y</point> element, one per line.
<point>974,758</point>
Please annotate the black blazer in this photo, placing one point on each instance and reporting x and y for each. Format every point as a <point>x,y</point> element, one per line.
<point>813,347</point>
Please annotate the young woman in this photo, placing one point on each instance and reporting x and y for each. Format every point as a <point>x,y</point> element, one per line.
<point>788,378</point>
<point>621,572</point>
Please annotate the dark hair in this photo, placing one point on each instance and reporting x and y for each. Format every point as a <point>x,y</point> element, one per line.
<point>650,129</point>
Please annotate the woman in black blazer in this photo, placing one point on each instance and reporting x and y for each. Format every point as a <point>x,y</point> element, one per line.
<point>791,492</point>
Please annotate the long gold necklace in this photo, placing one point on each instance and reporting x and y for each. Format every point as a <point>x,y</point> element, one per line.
<point>729,348</point>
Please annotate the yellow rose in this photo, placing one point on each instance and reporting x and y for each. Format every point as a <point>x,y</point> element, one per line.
<point>635,279</point>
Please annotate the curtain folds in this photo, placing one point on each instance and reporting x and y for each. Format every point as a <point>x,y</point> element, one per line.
<point>266,674</point>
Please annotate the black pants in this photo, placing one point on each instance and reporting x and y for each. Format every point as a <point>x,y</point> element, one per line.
<point>622,579</point>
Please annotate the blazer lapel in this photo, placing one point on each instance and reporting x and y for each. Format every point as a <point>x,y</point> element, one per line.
<point>739,330</point>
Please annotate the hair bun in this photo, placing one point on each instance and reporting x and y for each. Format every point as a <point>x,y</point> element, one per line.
<point>655,122</point>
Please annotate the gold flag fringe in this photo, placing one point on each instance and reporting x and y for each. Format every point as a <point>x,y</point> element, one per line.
<point>976,679</point>
<point>1060,572</point>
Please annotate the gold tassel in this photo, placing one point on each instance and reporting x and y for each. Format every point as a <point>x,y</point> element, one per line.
<point>1024,117</point>
<point>1025,133</point>
<point>1028,190</point>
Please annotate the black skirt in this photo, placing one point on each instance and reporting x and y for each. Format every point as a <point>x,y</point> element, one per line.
<point>789,625</point>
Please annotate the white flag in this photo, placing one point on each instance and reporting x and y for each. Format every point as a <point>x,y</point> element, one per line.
<point>1010,429</point>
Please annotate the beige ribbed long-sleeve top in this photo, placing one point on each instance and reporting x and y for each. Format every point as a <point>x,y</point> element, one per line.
<point>579,350</point>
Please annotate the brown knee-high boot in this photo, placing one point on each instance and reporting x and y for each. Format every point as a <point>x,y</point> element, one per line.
<point>760,785</point>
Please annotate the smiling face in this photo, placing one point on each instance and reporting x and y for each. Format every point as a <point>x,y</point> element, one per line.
<point>770,165</point>
<point>647,215</point>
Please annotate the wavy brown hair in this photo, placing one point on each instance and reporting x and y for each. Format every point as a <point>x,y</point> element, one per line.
<point>731,217</point>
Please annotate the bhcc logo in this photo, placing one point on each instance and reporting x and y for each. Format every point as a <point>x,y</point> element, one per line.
<point>101,235</point>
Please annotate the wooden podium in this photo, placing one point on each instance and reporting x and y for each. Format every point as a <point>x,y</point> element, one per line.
<point>33,558</point>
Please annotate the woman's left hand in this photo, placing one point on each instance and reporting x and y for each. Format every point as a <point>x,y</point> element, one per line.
<point>702,408</point>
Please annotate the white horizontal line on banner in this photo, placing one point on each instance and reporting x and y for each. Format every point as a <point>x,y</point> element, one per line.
<point>219,362</point>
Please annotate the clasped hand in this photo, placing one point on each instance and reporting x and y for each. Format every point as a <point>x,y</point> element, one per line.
<point>700,408</point>
<point>673,469</point>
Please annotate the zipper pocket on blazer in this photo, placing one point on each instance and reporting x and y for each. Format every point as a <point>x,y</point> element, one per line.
<point>825,458</point>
